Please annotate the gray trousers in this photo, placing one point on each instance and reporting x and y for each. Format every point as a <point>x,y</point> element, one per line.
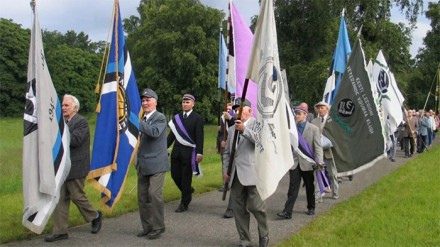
<point>150,199</point>
<point>246,199</point>
<point>72,190</point>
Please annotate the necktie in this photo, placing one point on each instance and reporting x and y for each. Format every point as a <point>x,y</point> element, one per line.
<point>184,115</point>
<point>322,119</point>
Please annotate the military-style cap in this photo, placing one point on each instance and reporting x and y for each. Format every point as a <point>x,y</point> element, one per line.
<point>149,93</point>
<point>237,103</point>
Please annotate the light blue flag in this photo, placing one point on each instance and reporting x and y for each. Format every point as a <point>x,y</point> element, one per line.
<point>117,124</point>
<point>222,55</point>
<point>342,51</point>
<point>339,62</point>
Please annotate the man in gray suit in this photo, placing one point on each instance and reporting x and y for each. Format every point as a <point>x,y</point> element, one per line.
<point>152,164</point>
<point>73,187</point>
<point>305,169</point>
<point>323,111</point>
<point>244,194</point>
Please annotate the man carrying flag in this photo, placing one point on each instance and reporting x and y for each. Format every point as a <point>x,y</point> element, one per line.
<point>243,178</point>
<point>272,145</point>
<point>354,126</point>
<point>46,155</point>
<point>73,187</point>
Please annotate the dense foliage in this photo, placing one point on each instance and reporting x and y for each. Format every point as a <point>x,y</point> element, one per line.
<point>174,50</point>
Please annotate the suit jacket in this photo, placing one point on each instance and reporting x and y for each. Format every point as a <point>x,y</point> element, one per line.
<point>411,125</point>
<point>79,147</point>
<point>194,126</point>
<point>317,122</point>
<point>244,159</point>
<point>312,135</point>
<point>152,155</point>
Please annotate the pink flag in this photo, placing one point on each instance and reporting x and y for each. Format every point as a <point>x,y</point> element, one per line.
<point>242,46</point>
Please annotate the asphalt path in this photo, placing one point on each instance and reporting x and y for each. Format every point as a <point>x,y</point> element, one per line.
<point>203,224</point>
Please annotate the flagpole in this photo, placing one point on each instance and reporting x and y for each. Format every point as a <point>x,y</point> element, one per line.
<point>430,89</point>
<point>234,142</point>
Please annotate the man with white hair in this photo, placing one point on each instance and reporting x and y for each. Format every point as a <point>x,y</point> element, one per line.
<point>323,110</point>
<point>73,187</point>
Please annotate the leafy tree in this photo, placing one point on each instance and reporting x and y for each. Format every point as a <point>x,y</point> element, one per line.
<point>75,71</point>
<point>422,83</point>
<point>307,35</point>
<point>14,48</point>
<point>174,46</point>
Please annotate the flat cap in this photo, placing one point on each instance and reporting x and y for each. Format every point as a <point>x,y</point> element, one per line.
<point>301,108</point>
<point>149,93</point>
<point>322,103</point>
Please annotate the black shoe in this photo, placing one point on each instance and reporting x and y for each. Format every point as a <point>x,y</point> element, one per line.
<point>56,237</point>
<point>96,223</point>
<point>181,208</point>
<point>284,215</point>
<point>311,211</point>
<point>350,178</point>
<point>143,233</point>
<point>155,233</point>
<point>264,241</point>
<point>228,213</point>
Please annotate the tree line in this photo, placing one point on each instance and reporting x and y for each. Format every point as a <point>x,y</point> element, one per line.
<point>173,46</point>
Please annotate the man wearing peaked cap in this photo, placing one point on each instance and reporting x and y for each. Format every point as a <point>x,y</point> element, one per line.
<point>242,180</point>
<point>149,93</point>
<point>187,135</point>
<point>151,166</point>
<point>237,103</point>
<point>188,97</point>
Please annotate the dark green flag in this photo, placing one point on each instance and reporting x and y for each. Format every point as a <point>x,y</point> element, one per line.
<point>354,125</point>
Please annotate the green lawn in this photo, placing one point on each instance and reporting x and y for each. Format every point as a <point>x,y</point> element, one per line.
<point>402,209</point>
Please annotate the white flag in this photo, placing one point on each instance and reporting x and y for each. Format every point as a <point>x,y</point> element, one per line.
<point>46,155</point>
<point>389,94</point>
<point>272,145</point>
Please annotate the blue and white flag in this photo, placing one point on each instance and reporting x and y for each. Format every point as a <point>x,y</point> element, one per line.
<point>222,64</point>
<point>273,154</point>
<point>46,153</point>
<point>339,62</point>
<point>117,124</point>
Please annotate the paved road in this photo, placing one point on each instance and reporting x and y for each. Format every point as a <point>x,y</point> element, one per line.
<point>203,225</point>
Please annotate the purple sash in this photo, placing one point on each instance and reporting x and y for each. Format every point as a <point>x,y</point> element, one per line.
<point>193,155</point>
<point>307,150</point>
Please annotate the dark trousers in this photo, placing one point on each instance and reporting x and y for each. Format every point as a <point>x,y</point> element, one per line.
<point>181,172</point>
<point>294,185</point>
<point>408,145</point>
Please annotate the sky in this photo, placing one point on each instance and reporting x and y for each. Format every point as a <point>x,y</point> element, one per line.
<point>93,17</point>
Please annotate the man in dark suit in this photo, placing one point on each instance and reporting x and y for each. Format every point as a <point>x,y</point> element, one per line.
<point>187,135</point>
<point>152,163</point>
<point>73,187</point>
